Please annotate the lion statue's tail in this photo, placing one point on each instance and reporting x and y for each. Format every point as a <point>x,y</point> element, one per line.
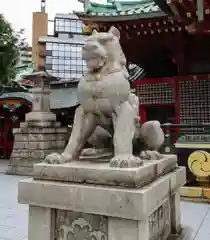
<point>152,134</point>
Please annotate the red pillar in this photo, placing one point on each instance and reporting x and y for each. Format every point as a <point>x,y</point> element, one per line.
<point>143,115</point>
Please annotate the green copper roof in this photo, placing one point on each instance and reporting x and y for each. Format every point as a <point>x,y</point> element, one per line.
<point>23,71</point>
<point>115,8</point>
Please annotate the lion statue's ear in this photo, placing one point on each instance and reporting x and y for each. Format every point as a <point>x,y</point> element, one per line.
<point>94,31</point>
<point>115,32</point>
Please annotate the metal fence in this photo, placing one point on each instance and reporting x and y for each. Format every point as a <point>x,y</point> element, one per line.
<point>174,131</point>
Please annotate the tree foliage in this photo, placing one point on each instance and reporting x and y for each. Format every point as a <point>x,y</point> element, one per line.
<point>9,51</point>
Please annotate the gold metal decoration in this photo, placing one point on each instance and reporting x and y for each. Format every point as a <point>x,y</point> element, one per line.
<point>189,15</point>
<point>90,27</point>
<point>87,29</point>
<point>207,11</point>
<point>199,163</point>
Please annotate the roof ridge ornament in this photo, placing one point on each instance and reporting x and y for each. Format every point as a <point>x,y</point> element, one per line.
<point>118,6</point>
<point>43,6</point>
<point>86,4</point>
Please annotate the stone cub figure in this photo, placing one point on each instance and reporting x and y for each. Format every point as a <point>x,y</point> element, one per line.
<point>106,101</point>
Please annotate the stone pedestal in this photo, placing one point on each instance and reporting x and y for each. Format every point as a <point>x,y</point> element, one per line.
<point>88,200</point>
<point>40,134</point>
<point>32,143</point>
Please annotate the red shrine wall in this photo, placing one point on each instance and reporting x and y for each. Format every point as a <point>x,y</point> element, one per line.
<point>150,43</point>
<point>187,96</point>
<point>10,118</point>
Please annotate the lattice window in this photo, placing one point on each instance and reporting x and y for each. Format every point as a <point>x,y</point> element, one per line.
<point>68,25</point>
<point>194,101</point>
<point>158,93</point>
<point>65,61</point>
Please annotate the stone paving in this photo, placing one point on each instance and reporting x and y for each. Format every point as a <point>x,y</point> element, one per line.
<point>14,217</point>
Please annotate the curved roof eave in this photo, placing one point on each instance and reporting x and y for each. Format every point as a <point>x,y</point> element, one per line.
<point>59,98</point>
<point>20,95</point>
<point>118,18</point>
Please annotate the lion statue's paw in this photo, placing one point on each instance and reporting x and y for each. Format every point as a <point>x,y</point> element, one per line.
<point>125,161</point>
<point>150,155</point>
<point>56,158</point>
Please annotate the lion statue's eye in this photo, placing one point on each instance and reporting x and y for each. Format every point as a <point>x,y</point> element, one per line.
<point>102,41</point>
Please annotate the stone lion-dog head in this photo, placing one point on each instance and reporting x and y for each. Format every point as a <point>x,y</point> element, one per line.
<point>102,48</point>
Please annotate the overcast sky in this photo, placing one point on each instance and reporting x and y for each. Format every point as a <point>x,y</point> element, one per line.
<point>19,12</point>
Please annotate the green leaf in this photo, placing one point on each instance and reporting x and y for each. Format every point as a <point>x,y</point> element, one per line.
<point>9,51</point>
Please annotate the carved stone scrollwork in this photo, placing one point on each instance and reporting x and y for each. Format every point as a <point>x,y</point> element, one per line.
<point>78,226</point>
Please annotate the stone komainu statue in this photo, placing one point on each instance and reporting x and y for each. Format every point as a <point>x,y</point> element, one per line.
<point>106,102</point>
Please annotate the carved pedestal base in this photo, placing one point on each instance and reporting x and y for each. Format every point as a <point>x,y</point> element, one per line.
<point>88,200</point>
<point>33,141</point>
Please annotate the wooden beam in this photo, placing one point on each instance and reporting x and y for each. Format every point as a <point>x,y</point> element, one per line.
<point>190,8</point>
<point>173,7</point>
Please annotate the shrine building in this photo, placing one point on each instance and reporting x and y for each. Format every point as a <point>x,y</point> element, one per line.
<point>169,40</point>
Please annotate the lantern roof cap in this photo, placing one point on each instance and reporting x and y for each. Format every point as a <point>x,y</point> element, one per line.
<point>42,74</point>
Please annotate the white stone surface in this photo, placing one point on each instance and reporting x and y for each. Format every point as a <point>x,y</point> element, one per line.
<point>40,116</point>
<point>41,100</point>
<point>123,229</point>
<point>176,212</point>
<point>41,223</point>
<point>134,204</point>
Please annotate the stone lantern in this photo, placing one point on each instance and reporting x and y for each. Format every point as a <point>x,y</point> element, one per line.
<point>40,134</point>
<point>41,98</point>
